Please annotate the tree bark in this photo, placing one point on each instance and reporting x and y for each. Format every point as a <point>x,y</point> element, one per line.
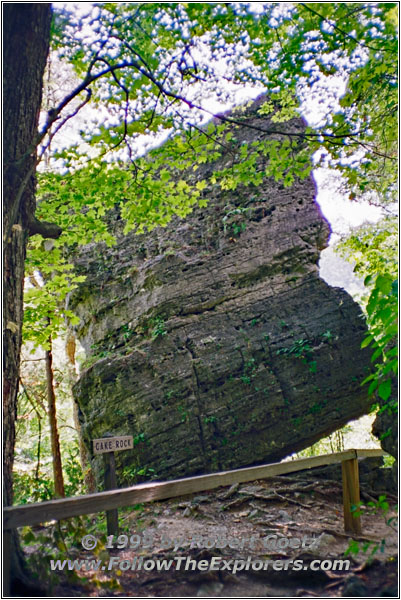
<point>84,458</point>
<point>54,436</point>
<point>89,477</point>
<point>26,35</point>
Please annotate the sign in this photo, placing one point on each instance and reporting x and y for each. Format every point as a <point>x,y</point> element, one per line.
<point>113,444</point>
<point>107,446</point>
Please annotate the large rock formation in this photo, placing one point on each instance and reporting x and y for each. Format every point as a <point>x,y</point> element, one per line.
<point>213,341</point>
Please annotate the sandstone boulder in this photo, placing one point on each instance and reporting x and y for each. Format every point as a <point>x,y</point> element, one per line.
<point>213,341</point>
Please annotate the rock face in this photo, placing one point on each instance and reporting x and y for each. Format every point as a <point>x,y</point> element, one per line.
<point>213,341</point>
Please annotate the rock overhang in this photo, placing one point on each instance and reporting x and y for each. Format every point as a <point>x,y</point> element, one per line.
<point>215,343</point>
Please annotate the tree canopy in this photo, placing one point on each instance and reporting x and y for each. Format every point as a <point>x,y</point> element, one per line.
<point>159,66</point>
<point>144,73</point>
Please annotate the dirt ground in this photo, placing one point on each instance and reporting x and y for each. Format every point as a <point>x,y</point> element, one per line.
<point>277,520</point>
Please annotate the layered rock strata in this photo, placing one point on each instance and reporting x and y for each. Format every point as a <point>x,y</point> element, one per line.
<point>213,341</point>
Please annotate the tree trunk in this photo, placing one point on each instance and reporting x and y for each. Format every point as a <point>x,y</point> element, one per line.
<point>26,35</point>
<point>89,477</point>
<point>55,440</point>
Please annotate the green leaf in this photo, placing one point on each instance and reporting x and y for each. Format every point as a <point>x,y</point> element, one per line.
<point>376,354</point>
<point>29,537</point>
<point>384,283</point>
<point>384,389</point>
<point>200,185</point>
<point>368,339</point>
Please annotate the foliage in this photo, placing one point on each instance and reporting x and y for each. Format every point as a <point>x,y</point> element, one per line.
<point>233,221</point>
<point>44,311</point>
<point>61,540</point>
<point>145,68</point>
<point>382,310</point>
<point>303,350</point>
<point>158,327</point>
<point>381,507</point>
<point>133,474</point>
<point>73,470</point>
<point>38,487</point>
<point>173,53</point>
<point>333,443</point>
<point>33,460</point>
<point>326,44</point>
<point>32,488</point>
<point>374,250</point>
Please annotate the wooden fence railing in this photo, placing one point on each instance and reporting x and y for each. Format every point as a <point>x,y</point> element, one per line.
<point>64,508</point>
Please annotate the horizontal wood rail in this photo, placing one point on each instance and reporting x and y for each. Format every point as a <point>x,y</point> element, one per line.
<point>33,514</point>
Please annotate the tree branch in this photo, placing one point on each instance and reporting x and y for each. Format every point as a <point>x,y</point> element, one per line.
<point>64,121</point>
<point>53,231</point>
<point>43,228</point>
<point>344,33</point>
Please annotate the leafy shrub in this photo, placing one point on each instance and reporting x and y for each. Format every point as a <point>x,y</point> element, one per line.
<point>31,488</point>
<point>382,316</point>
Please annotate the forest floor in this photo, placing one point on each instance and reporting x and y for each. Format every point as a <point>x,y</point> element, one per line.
<point>280,519</point>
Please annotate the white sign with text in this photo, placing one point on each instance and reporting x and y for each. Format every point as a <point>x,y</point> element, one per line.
<point>113,444</point>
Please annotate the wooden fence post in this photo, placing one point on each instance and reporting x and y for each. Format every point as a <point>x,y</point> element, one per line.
<point>351,495</point>
<point>106,446</point>
<point>110,483</point>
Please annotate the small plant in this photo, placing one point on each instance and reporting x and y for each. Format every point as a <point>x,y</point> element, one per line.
<point>355,547</point>
<point>91,360</point>
<point>317,407</point>
<point>303,350</point>
<point>64,536</point>
<point>250,365</point>
<point>233,221</point>
<point>170,252</point>
<point>32,488</point>
<point>238,228</point>
<point>379,506</point>
<point>127,332</point>
<point>159,327</point>
<point>211,419</point>
<point>139,438</point>
<point>184,414</point>
<point>131,473</point>
<point>73,469</point>
<point>388,461</point>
